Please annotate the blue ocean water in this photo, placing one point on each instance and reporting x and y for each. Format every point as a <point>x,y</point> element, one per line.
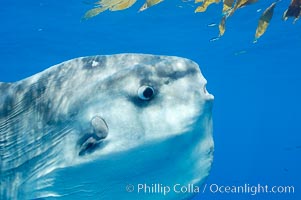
<point>256,86</point>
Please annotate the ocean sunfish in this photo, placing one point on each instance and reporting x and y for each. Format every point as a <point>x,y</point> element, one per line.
<point>103,127</point>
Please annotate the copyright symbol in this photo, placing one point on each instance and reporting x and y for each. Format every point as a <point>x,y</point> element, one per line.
<point>130,188</point>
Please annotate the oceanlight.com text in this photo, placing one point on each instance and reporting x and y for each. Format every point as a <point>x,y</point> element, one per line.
<point>249,189</point>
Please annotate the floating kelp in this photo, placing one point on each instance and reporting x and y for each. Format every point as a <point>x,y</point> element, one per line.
<point>116,5</point>
<point>227,6</point>
<point>294,10</point>
<point>222,26</point>
<point>242,3</point>
<point>264,21</point>
<point>112,5</point>
<point>228,9</point>
<point>205,5</point>
<point>149,3</point>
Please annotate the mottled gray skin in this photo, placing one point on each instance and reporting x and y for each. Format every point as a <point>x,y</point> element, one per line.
<point>44,118</point>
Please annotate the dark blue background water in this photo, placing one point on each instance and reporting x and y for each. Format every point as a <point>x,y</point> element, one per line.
<point>256,86</point>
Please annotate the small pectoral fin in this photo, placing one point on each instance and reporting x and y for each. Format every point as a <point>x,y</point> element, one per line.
<point>100,127</point>
<point>90,141</point>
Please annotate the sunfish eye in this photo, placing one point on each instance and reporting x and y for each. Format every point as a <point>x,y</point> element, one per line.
<point>145,92</point>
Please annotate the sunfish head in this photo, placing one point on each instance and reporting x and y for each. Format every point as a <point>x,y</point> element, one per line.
<point>134,121</point>
<point>144,100</point>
